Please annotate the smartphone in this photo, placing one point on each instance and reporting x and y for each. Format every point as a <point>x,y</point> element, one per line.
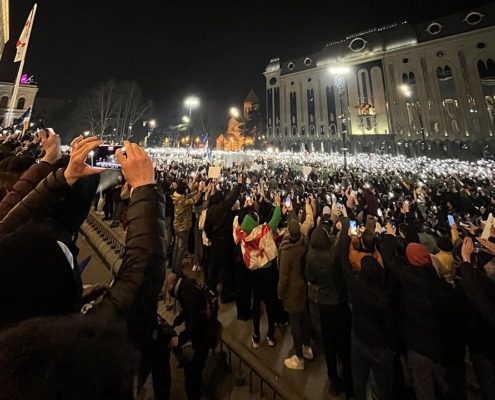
<point>451,220</point>
<point>104,156</point>
<point>288,202</point>
<point>353,226</point>
<point>379,212</point>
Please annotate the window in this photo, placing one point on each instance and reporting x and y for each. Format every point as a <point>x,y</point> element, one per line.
<point>4,102</point>
<point>20,103</point>
<point>357,44</point>
<point>307,62</point>
<point>434,28</point>
<point>473,18</point>
<point>291,66</point>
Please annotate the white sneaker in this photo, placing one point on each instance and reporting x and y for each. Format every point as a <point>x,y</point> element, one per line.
<point>255,340</point>
<point>307,352</point>
<point>195,268</point>
<point>271,341</point>
<point>294,362</point>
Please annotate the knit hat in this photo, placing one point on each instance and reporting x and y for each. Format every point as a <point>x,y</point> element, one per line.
<point>326,210</point>
<point>294,228</point>
<point>418,255</point>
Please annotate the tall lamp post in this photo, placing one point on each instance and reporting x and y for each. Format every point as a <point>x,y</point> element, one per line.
<point>339,77</point>
<point>191,102</point>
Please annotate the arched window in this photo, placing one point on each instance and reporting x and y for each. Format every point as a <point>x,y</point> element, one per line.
<point>20,103</point>
<point>4,102</point>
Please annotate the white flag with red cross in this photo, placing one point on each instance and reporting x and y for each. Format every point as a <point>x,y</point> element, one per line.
<point>24,38</point>
<point>258,247</point>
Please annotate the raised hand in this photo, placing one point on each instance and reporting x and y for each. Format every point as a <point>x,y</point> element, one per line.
<point>51,144</point>
<point>77,167</point>
<point>137,167</point>
<point>467,249</point>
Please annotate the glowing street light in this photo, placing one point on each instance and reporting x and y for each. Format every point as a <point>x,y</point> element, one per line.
<point>152,123</point>
<point>234,112</point>
<point>191,102</point>
<point>186,119</point>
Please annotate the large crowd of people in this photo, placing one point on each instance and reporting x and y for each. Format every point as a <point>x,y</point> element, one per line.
<point>401,252</point>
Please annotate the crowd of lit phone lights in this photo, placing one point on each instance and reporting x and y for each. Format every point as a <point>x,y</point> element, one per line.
<point>367,166</point>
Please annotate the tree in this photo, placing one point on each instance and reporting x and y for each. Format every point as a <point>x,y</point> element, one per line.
<point>104,102</point>
<point>112,105</point>
<point>130,108</point>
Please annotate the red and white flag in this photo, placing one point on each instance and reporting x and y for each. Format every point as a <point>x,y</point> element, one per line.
<point>24,38</point>
<point>258,247</point>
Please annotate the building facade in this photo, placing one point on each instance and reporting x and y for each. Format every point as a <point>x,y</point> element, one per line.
<point>411,89</point>
<point>4,24</point>
<point>25,99</point>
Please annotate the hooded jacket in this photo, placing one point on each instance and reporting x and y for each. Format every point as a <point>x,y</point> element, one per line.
<point>291,286</point>
<point>323,268</point>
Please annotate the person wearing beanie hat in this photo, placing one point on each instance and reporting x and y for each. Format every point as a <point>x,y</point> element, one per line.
<point>292,291</point>
<point>418,255</point>
<point>264,277</point>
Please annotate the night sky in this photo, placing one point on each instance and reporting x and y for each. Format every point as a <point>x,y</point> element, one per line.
<point>215,50</point>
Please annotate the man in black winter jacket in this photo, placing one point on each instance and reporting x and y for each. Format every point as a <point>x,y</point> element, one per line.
<point>218,228</point>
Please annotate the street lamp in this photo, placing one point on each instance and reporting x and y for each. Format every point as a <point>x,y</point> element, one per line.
<point>191,102</point>
<point>338,74</point>
<point>234,112</point>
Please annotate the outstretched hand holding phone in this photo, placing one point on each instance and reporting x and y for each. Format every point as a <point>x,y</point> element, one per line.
<point>137,167</point>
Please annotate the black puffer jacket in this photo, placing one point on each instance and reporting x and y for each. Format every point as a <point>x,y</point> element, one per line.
<point>135,290</point>
<point>134,293</point>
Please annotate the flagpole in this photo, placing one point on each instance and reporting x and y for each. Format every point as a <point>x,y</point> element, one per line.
<point>10,118</point>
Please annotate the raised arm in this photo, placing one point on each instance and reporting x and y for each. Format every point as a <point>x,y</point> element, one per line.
<point>35,174</point>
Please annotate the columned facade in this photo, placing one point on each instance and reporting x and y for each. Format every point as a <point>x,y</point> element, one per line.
<point>426,85</point>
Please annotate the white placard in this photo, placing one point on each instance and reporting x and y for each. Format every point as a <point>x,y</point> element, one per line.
<point>307,170</point>
<point>214,172</point>
<point>488,226</point>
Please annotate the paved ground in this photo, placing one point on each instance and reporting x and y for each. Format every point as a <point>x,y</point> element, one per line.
<point>310,384</point>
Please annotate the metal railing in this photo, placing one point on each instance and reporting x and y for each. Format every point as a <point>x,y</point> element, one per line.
<point>104,240</point>
<point>261,379</point>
